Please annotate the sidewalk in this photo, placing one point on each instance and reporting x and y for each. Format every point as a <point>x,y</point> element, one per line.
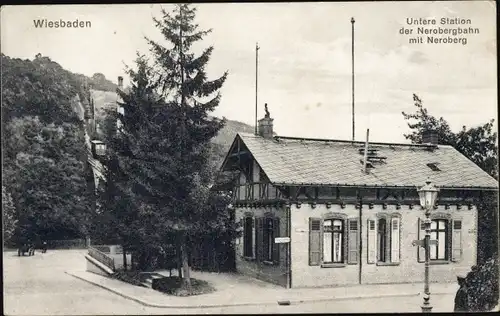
<point>238,290</point>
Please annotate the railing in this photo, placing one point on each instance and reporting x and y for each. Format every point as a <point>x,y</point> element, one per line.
<point>256,191</point>
<point>102,258</point>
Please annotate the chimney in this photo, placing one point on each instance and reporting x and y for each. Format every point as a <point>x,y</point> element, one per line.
<point>430,136</point>
<point>120,82</point>
<point>265,125</point>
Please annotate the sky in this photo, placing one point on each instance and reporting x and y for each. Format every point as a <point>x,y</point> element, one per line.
<point>304,59</point>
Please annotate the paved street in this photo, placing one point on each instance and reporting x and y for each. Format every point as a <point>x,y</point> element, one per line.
<point>38,286</point>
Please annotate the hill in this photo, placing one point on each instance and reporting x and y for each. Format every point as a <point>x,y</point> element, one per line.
<point>42,72</point>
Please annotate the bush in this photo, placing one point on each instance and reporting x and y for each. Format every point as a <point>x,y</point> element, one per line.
<point>132,277</point>
<point>173,286</point>
<point>478,291</point>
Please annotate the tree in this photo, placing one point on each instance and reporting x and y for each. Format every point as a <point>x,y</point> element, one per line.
<point>37,88</point>
<point>163,144</point>
<point>47,179</point>
<point>190,96</point>
<point>122,206</point>
<point>9,219</point>
<point>479,144</point>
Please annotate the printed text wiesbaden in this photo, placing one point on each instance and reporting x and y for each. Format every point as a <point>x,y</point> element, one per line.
<point>45,23</point>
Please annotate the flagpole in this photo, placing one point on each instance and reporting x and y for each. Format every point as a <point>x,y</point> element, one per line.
<point>353,120</point>
<point>256,82</point>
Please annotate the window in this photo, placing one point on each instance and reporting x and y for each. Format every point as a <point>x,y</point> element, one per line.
<point>447,231</point>
<point>439,229</point>
<point>100,149</point>
<point>333,241</point>
<point>333,236</point>
<point>266,251</point>
<point>382,240</point>
<point>268,239</point>
<point>248,235</point>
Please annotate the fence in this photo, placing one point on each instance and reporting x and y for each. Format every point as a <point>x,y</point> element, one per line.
<point>213,256</point>
<point>102,258</point>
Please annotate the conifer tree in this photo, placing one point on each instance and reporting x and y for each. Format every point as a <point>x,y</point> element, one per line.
<point>130,163</point>
<point>181,80</point>
<point>161,152</point>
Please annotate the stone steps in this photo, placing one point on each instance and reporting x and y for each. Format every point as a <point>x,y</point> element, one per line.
<point>148,277</point>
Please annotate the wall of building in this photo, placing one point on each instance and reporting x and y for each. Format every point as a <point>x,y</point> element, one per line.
<point>408,269</point>
<point>304,275</point>
<point>276,274</point>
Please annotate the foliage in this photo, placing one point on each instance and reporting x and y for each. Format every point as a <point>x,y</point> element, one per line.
<point>479,144</point>
<point>44,163</point>
<point>182,76</point>
<point>487,207</point>
<point>37,88</point>
<point>47,178</point>
<point>160,170</point>
<point>9,219</point>
<point>189,96</point>
<point>173,286</point>
<point>479,289</point>
<point>131,277</point>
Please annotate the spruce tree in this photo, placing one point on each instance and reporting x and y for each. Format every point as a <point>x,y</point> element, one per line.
<point>189,96</point>
<point>131,139</point>
<point>161,151</point>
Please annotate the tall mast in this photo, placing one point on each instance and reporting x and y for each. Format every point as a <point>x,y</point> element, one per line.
<point>353,120</point>
<point>256,82</point>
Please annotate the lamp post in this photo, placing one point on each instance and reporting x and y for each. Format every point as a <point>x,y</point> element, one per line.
<point>428,196</point>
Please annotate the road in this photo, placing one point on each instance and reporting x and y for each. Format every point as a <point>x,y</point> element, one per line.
<point>38,286</point>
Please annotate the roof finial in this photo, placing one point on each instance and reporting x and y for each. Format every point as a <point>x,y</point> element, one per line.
<point>267,111</point>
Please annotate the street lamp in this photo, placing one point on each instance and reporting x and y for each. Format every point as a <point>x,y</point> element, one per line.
<point>428,196</point>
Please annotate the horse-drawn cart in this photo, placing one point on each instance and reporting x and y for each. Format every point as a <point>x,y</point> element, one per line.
<point>26,248</point>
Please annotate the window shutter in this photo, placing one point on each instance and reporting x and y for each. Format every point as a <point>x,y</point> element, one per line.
<point>315,241</point>
<point>372,241</point>
<point>265,240</point>
<point>352,252</point>
<point>276,247</point>
<point>395,231</point>
<point>260,239</point>
<point>456,241</point>
<point>254,236</point>
<point>421,236</point>
<point>242,238</point>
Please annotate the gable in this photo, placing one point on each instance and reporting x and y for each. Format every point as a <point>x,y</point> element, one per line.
<point>239,157</point>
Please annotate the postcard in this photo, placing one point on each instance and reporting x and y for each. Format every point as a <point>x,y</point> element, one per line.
<point>272,157</point>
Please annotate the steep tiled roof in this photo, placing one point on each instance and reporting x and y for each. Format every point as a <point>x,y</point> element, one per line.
<point>293,161</point>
